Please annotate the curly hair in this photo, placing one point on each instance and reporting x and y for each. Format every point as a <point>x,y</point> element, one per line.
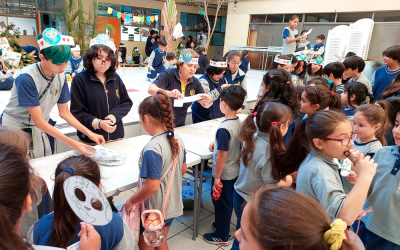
<point>159,107</point>
<point>93,52</point>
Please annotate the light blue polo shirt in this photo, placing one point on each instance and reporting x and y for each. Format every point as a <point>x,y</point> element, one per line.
<point>258,172</point>
<point>319,178</point>
<point>384,196</point>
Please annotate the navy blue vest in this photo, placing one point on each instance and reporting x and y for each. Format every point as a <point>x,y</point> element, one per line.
<point>201,114</point>
<point>75,63</point>
<point>238,79</point>
<point>157,62</point>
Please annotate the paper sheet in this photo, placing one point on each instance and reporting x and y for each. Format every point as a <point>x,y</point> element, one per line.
<point>308,33</point>
<point>179,102</point>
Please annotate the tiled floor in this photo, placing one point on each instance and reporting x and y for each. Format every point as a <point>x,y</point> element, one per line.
<point>180,234</point>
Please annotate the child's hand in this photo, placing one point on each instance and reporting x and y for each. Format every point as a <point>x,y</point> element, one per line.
<point>84,149</point>
<point>90,238</point>
<point>365,167</point>
<point>239,111</point>
<point>352,178</point>
<point>211,147</point>
<point>73,74</point>
<point>363,213</point>
<point>298,38</point>
<point>13,70</point>
<point>224,85</point>
<point>286,182</point>
<point>98,139</point>
<point>217,182</point>
<point>5,69</point>
<point>129,205</point>
<point>108,126</point>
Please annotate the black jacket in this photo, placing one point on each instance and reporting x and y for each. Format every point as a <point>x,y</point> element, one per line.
<point>89,101</point>
<point>203,63</point>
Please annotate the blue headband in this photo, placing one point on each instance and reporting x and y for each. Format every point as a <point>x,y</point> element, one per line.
<point>69,170</point>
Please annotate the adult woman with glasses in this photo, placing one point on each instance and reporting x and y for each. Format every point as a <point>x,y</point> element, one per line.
<point>99,99</point>
<point>234,75</point>
<point>180,82</point>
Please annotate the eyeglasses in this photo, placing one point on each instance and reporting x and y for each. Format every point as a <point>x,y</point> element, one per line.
<point>99,61</point>
<point>345,141</point>
<point>235,63</point>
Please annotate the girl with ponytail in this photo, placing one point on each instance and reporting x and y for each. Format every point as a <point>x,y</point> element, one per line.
<point>257,164</point>
<point>15,179</point>
<point>326,135</point>
<point>61,228</point>
<point>318,97</point>
<point>157,118</point>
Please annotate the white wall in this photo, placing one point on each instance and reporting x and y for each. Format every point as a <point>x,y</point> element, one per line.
<point>237,27</point>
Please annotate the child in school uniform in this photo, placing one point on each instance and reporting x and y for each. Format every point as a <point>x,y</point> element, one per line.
<point>354,66</point>
<point>299,70</point>
<point>225,170</point>
<point>38,88</point>
<point>326,135</point>
<point>203,61</point>
<point>379,229</point>
<point>234,74</point>
<point>213,82</point>
<point>334,72</point>
<point>99,99</point>
<point>317,97</point>
<point>290,36</point>
<point>264,127</point>
<point>6,76</point>
<point>157,60</point>
<point>75,63</point>
<point>385,75</point>
<point>171,60</point>
<point>319,48</point>
<point>314,68</point>
<point>283,219</point>
<point>370,123</point>
<point>353,96</point>
<point>16,179</point>
<point>156,118</point>
<point>61,228</point>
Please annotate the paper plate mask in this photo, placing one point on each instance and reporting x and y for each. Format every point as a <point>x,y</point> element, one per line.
<point>187,57</point>
<point>51,37</point>
<point>302,57</point>
<point>282,61</point>
<point>106,156</point>
<point>87,201</point>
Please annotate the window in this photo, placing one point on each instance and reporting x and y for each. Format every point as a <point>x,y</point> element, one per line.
<point>18,7</point>
<point>223,24</point>
<point>27,26</point>
<point>258,18</point>
<point>352,17</point>
<point>276,18</point>
<point>390,16</point>
<point>288,16</point>
<point>322,17</point>
<point>103,9</point>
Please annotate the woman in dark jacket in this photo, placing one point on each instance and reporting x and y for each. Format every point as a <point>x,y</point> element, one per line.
<point>99,99</point>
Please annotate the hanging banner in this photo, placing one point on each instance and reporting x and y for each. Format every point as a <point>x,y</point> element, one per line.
<point>156,18</point>
<point>110,10</point>
<point>123,16</point>
<point>134,19</point>
<point>115,13</point>
<point>148,19</point>
<point>119,14</point>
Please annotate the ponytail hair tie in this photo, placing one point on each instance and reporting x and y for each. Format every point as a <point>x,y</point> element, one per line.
<point>170,134</point>
<point>377,104</point>
<point>274,123</point>
<point>69,170</point>
<point>304,121</point>
<point>272,76</point>
<point>332,94</point>
<point>335,235</point>
<point>288,82</point>
<point>255,114</point>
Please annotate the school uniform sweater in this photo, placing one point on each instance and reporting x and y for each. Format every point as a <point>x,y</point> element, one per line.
<point>238,77</point>
<point>203,63</point>
<point>381,79</point>
<point>75,65</point>
<point>156,58</point>
<point>244,66</point>
<point>92,100</point>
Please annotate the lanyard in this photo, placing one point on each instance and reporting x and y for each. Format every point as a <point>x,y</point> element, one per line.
<point>183,87</point>
<point>49,81</point>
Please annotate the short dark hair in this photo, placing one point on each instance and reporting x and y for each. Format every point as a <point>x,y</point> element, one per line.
<point>157,37</point>
<point>392,52</point>
<point>234,53</point>
<point>354,62</point>
<point>170,56</point>
<point>335,68</point>
<point>1,52</point>
<point>162,42</point>
<point>322,37</point>
<point>245,53</point>
<point>293,58</point>
<point>152,32</point>
<point>360,92</point>
<point>304,31</point>
<point>294,17</point>
<point>350,54</point>
<point>318,73</point>
<point>234,96</point>
<point>211,70</point>
<point>92,53</point>
<point>200,49</point>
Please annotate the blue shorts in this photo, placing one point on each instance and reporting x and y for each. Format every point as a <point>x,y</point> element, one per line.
<point>167,223</point>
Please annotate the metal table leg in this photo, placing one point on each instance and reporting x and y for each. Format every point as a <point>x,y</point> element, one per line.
<point>203,163</point>
<point>196,179</point>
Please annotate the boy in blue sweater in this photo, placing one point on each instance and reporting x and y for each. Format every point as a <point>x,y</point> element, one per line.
<point>319,48</point>
<point>157,60</point>
<point>75,63</point>
<point>385,75</point>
